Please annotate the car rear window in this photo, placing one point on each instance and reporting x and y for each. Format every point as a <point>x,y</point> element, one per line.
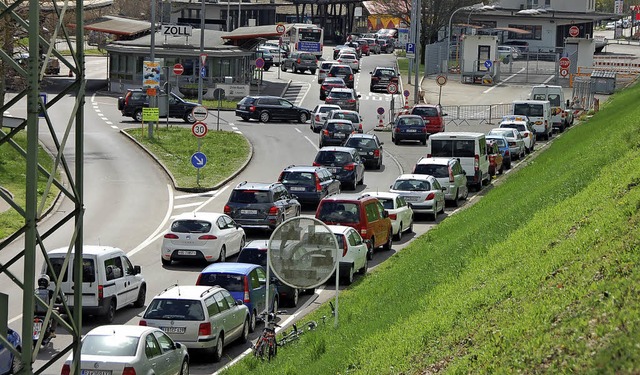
<point>531,110</point>
<point>308,56</point>
<point>354,118</point>
<point>247,100</point>
<point>298,178</point>
<point>253,256</point>
<point>174,309</point>
<point>88,269</point>
<point>333,157</point>
<point>410,122</point>
<point>457,148</point>
<point>361,143</point>
<point>425,111</point>
<point>339,212</point>
<point>387,203</point>
<point>229,281</point>
<point>190,226</point>
<point>109,345</point>
<point>249,196</point>
<point>326,65</point>
<point>340,70</point>
<point>334,81</point>
<point>340,94</point>
<point>325,109</point>
<point>385,73</point>
<point>340,126</point>
<point>435,170</point>
<point>412,185</point>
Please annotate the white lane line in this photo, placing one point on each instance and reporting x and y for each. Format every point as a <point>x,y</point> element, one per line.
<point>306,92</point>
<point>548,79</point>
<point>312,143</point>
<point>237,131</point>
<point>194,195</point>
<point>109,123</point>
<point>156,233</point>
<point>504,80</point>
<point>298,130</point>
<point>212,198</point>
<point>180,206</point>
<point>114,127</point>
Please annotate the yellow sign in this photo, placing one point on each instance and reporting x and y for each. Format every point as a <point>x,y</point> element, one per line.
<point>150,114</point>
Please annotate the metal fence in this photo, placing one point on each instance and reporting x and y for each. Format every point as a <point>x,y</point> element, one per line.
<point>582,96</point>
<point>435,58</point>
<point>478,114</point>
<point>531,67</point>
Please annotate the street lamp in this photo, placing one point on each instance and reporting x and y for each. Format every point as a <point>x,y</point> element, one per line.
<point>474,6</point>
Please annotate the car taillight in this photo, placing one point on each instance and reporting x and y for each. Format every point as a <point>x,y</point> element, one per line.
<point>451,179</point>
<point>428,155</point>
<point>339,60</point>
<point>351,101</point>
<point>207,237</point>
<point>126,98</point>
<point>252,108</point>
<point>430,196</point>
<point>330,75</point>
<point>246,298</point>
<point>273,210</point>
<point>393,216</point>
<point>171,236</point>
<point>476,162</point>
<point>345,247</point>
<point>66,370</point>
<point>506,153</point>
<point>129,371</point>
<point>280,177</point>
<point>363,232</point>
<point>350,77</point>
<point>227,209</point>
<point>360,127</point>
<point>423,130</point>
<point>349,167</point>
<point>142,323</point>
<point>375,78</point>
<point>397,130</point>
<point>315,164</point>
<point>318,186</point>
<point>512,143</point>
<point>394,79</point>
<point>204,329</point>
<point>325,132</point>
<point>298,61</point>
<point>100,292</point>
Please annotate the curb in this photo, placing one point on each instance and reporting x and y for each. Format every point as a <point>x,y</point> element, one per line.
<point>173,180</point>
<point>286,87</point>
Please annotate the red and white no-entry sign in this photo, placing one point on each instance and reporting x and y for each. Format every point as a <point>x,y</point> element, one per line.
<point>574,31</point>
<point>178,69</point>
<point>564,62</point>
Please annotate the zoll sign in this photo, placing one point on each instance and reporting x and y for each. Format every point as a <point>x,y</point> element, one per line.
<point>176,30</point>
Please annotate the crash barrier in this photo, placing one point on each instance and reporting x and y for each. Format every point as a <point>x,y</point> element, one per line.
<point>479,114</point>
<point>623,76</point>
<point>621,64</point>
<point>582,95</point>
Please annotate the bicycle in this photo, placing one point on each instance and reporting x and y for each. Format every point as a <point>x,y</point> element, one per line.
<point>267,344</point>
<point>296,333</point>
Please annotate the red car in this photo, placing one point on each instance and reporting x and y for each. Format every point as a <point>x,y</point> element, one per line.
<point>432,116</point>
<point>495,158</point>
<point>364,46</point>
<point>329,84</point>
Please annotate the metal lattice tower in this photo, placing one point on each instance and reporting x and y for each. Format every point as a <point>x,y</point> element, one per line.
<point>25,17</point>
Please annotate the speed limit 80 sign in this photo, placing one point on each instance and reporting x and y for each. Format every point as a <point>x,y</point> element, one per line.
<point>199,129</point>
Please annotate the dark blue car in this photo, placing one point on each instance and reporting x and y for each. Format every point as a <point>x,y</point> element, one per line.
<point>309,184</point>
<point>246,282</point>
<point>10,363</point>
<point>503,146</point>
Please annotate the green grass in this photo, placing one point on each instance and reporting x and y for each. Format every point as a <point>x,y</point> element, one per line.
<point>13,172</point>
<point>225,151</point>
<point>540,276</point>
<point>213,104</point>
<point>403,67</point>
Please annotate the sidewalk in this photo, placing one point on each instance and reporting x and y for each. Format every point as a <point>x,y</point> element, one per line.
<point>270,88</point>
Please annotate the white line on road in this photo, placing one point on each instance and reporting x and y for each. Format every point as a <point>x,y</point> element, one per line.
<point>548,79</point>
<point>504,80</point>
<point>298,130</point>
<point>113,126</point>
<point>151,237</point>
<point>312,143</point>
<point>180,206</point>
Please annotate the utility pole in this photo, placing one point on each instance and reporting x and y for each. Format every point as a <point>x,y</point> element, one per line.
<point>202,8</point>
<point>153,100</point>
<point>416,83</point>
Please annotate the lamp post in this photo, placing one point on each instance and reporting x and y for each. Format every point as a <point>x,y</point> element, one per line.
<point>202,11</point>
<point>474,6</point>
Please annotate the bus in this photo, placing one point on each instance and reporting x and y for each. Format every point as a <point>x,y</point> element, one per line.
<point>306,38</point>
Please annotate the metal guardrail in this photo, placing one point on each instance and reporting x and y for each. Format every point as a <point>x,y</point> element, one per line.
<point>462,114</point>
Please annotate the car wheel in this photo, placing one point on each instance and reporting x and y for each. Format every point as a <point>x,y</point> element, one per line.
<point>354,183</point>
<point>435,212</point>
<point>455,200</point>
<point>245,331</point>
<point>293,300</point>
<point>396,141</point>
<point>424,141</point>
<point>379,166</point>
<point>243,242</point>
<point>313,71</point>
<point>389,244</point>
<point>265,116</point>
<point>188,117</point>
<point>398,236</point>
<point>371,247</point>
<point>283,68</point>
<point>322,97</point>
<point>348,278</point>
<point>533,145</point>
<point>111,312</point>
<point>252,321</point>
<point>142,295</point>
<point>166,262</point>
<point>16,363</point>
<point>274,306</point>
<point>410,230</point>
<point>184,369</point>
<point>361,182</point>
<point>137,115</point>
<point>223,254</point>
<point>303,117</point>
<point>527,150</point>
<point>217,350</point>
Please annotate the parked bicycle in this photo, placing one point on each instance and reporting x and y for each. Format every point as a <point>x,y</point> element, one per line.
<point>295,333</point>
<point>267,345</point>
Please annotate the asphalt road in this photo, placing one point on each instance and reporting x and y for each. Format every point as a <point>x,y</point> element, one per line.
<point>129,201</point>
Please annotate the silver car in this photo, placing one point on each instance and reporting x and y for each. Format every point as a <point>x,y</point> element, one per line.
<point>200,317</point>
<point>319,115</point>
<point>120,349</point>
<point>450,175</point>
<point>422,192</point>
<point>516,142</point>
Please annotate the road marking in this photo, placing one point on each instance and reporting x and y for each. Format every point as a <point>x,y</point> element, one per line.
<point>179,206</point>
<point>212,198</point>
<point>237,131</point>
<point>152,236</point>
<point>298,130</point>
<point>549,79</point>
<point>504,80</point>
<point>312,143</point>
<point>114,127</point>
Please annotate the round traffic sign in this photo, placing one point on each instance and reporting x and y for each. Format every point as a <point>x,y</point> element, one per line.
<point>441,80</point>
<point>406,93</point>
<point>564,72</point>
<point>200,113</point>
<point>178,69</point>
<point>259,63</point>
<point>280,29</point>
<point>198,160</point>
<point>380,111</point>
<point>488,64</point>
<point>199,129</point>
<point>574,31</point>
<point>564,62</point>
<point>392,88</point>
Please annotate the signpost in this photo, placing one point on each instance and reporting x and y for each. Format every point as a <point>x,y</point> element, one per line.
<point>411,50</point>
<point>200,113</point>
<point>441,81</point>
<point>574,31</point>
<point>178,69</point>
<point>564,63</point>
<point>392,88</point>
<point>199,129</point>
<point>198,160</point>
<point>280,29</point>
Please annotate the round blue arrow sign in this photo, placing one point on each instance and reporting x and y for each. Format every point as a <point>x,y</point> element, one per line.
<point>488,64</point>
<point>198,160</point>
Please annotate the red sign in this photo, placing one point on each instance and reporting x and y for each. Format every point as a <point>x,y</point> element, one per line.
<point>574,31</point>
<point>564,72</point>
<point>392,88</point>
<point>280,29</point>
<point>178,69</point>
<point>565,63</point>
<point>199,129</point>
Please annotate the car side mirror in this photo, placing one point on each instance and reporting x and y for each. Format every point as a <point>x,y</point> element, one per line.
<point>445,114</point>
<point>359,95</point>
<point>370,72</point>
<point>239,302</point>
<point>444,189</point>
<point>385,213</point>
<point>381,143</point>
<point>137,270</point>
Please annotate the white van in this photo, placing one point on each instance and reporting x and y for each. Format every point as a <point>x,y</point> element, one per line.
<point>539,113</point>
<point>469,148</point>
<point>561,116</point>
<point>109,280</point>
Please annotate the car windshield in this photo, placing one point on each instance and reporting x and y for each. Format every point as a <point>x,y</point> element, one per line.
<point>174,309</point>
<point>333,157</point>
<point>253,256</point>
<point>412,185</point>
<point>425,111</point>
<point>435,170</point>
<point>190,226</point>
<point>110,345</point>
<point>361,143</point>
<point>298,178</point>
<point>339,212</point>
<point>249,196</point>
<point>456,148</point>
<point>518,127</point>
<point>229,281</point>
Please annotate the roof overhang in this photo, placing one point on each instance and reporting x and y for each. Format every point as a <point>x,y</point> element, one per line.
<point>118,26</point>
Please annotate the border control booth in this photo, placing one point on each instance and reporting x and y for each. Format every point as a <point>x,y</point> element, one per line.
<point>479,63</point>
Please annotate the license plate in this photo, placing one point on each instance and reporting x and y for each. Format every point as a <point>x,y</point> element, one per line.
<point>362,153</point>
<point>339,135</point>
<point>334,170</point>
<point>173,329</point>
<point>297,188</point>
<point>411,130</point>
<point>95,372</point>
<point>249,212</point>
<point>241,107</point>
<point>411,199</point>
<point>186,252</point>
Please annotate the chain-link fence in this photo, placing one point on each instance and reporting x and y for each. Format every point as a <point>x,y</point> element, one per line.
<point>478,114</point>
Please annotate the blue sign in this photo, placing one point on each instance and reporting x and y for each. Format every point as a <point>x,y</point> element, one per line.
<point>43,97</point>
<point>380,111</point>
<point>488,64</point>
<point>259,63</point>
<point>203,72</point>
<point>198,160</point>
<point>309,47</point>
<point>411,48</point>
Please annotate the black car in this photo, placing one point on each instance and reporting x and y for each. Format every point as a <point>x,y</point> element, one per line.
<point>255,252</point>
<point>308,183</point>
<point>330,83</point>
<point>344,162</point>
<point>344,72</point>
<point>386,45</point>
<point>369,147</point>
<point>381,77</point>
<point>134,100</point>
<point>261,205</point>
<point>267,108</point>
<point>335,132</point>
<point>266,55</point>
<point>409,128</point>
<point>346,98</point>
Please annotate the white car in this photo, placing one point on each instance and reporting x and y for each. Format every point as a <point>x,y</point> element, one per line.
<point>201,236</point>
<point>523,126</point>
<point>423,192</point>
<point>319,115</point>
<point>508,53</point>
<point>350,59</point>
<point>354,252</point>
<point>610,25</point>
<point>129,349</point>
<point>516,143</point>
<point>400,213</point>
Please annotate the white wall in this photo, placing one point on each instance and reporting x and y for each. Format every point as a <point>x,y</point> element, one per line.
<point>548,40</point>
<point>560,5</point>
<point>470,45</point>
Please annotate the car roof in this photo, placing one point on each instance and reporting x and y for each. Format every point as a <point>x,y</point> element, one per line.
<point>362,135</point>
<point>303,168</point>
<point>334,120</point>
<point>345,197</point>
<point>256,244</point>
<point>381,194</point>
<point>187,291</point>
<point>446,135</point>
<point>88,250</point>
<point>230,267</point>
<point>337,148</point>
<point>210,216</point>
<point>439,161</point>
<point>121,330</point>
<point>254,185</point>
<point>411,176</point>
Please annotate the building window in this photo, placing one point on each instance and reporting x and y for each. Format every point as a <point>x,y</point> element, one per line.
<point>535,32</point>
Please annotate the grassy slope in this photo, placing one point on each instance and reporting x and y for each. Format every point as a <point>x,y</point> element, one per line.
<point>541,275</point>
